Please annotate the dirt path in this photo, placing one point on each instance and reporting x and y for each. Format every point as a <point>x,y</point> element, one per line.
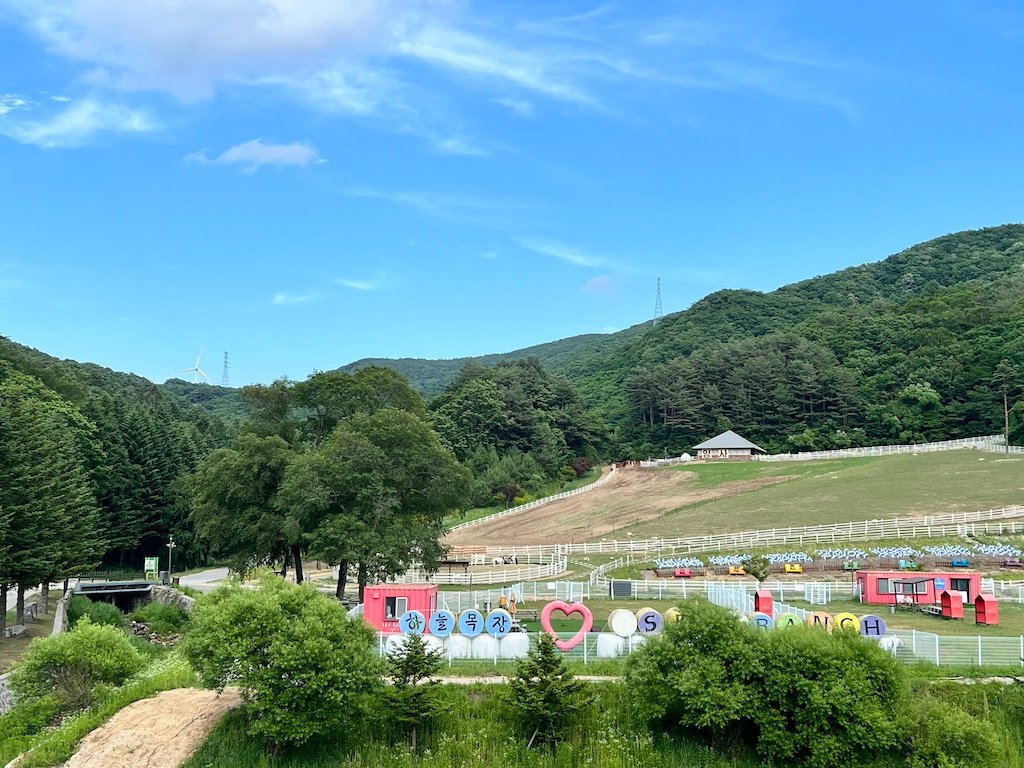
<point>631,497</point>
<point>160,732</point>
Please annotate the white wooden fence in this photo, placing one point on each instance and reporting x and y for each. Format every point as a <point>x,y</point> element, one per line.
<point>992,443</point>
<point>558,565</point>
<point>986,522</point>
<point>537,502</point>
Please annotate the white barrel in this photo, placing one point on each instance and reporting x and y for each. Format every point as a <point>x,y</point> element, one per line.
<point>484,647</point>
<point>432,643</point>
<point>636,641</point>
<point>393,642</point>
<point>610,646</point>
<point>458,647</point>
<point>514,646</point>
<point>622,622</point>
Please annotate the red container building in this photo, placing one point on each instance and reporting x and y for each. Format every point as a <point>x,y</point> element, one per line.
<point>910,587</point>
<point>763,602</point>
<point>384,604</point>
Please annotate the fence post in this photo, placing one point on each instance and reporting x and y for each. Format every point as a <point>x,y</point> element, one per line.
<point>938,659</point>
<point>913,641</point>
<point>979,651</point>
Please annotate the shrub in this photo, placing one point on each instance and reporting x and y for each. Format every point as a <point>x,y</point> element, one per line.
<point>824,697</point>
<point>800,696</point>
<point>543,694</point>
<point>161,618</point>
<point>98,612</point>
<point>304,669</point>
<point>71,665</point>
<point>581,465</point>
<point>944,736</point>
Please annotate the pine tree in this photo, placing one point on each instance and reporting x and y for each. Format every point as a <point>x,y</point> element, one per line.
<point>414,698</point>
<point>544,695</point>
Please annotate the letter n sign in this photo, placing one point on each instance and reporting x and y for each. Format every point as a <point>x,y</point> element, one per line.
<point>820,619</point>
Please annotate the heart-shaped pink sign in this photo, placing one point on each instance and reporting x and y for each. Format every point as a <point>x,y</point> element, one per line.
<point>568,609</point>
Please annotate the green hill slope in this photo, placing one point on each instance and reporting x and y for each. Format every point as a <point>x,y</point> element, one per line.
<point>823,492</point>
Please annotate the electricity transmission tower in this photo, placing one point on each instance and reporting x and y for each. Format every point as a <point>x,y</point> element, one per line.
<point>224,376</point>
<point>657,305</point>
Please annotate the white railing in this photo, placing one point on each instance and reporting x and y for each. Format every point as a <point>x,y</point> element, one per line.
<point>911,645</point>
<point>537,502</point>
<point>557,566</point>
<point>993,443</point>
<point>929,526</point>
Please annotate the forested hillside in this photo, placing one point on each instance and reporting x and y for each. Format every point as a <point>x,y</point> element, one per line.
<point>902,349</point>
<point>115,445</point>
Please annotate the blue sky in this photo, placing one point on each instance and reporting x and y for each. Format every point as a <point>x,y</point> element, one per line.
<point>307,183</point>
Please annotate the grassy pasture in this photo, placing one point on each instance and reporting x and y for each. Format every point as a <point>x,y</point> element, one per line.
<point>840,490</point>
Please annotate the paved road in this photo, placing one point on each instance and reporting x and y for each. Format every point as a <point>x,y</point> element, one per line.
<point>205,581</point>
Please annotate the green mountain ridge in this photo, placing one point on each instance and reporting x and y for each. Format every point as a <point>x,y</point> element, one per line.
<point>600,363</point>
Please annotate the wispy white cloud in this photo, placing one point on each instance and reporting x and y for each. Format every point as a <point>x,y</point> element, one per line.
<point>256,153</point>
<point>284,298</point>
<point>366,58</point>
<point>379,282</point>
<point>460,146</point>
<point>460,208</point>
<point>566,253</point>
<point>79,124</point>
<point>9,102</point>
<point>532,70</point>
<point>521,107</point>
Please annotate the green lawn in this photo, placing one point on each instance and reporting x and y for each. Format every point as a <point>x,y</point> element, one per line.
<point>844,489</point>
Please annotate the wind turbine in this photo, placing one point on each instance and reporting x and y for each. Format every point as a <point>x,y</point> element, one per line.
<point>196,371</point>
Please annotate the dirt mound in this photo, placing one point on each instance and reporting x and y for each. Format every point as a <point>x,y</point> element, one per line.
<point>161,732</point>
<point>631,497</point>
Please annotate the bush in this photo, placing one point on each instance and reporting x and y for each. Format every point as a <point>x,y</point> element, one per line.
<point>71,665</point>
<point>945,736</point>
<point>161,618</point>
<point>98,612</point>
<point>304,669</point>
<point>800,696</point>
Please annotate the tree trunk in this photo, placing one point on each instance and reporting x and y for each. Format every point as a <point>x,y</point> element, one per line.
<point>362,580</point>
<point>44,597</point>
<point>19,616</point>
<point>284,565</point>
<point>297,560</point>
<point>67,583</point>
<point>1006,420</point>
<point>342,579</point>
<point>3,613</point>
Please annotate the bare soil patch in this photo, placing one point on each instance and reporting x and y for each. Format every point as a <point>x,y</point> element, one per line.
<point>160,732</point>
<point>633,496</point>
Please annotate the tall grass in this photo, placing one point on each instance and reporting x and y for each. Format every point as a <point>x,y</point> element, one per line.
<point>473,732</point>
